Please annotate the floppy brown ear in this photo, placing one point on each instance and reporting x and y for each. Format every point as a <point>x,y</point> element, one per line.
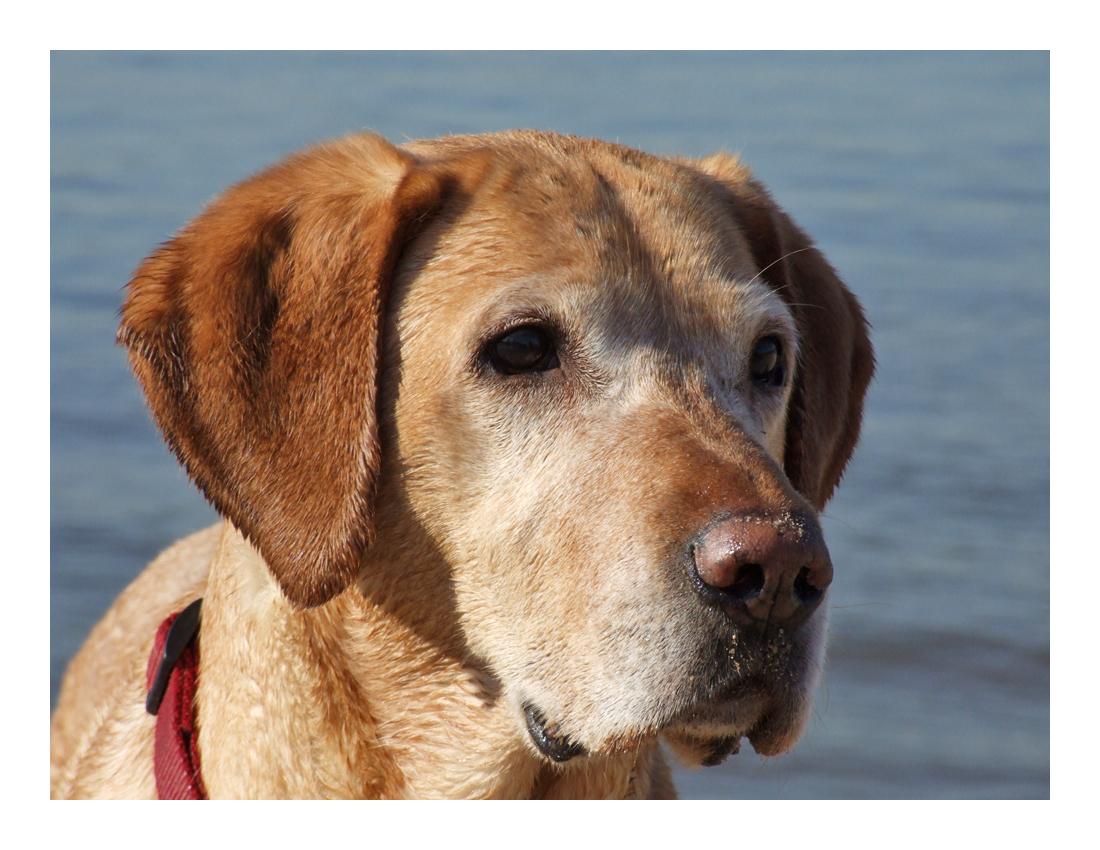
<point>255,335</point>
<point>836,360</point>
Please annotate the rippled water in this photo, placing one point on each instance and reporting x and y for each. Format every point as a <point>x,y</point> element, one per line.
<point>924,178</point>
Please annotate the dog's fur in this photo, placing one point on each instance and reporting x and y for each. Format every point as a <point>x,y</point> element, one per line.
<point>417,547</point>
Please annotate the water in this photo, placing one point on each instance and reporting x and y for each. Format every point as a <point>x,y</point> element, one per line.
<point>924,178</point>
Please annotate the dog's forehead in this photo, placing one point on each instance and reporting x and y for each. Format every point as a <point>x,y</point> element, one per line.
<point>576,221</point>
<point>569,193</point>
<point>632,212</point>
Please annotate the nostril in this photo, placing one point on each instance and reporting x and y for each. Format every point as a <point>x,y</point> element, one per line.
<point>748,581</point>
<point>761,569</point>
<point>804,589</point>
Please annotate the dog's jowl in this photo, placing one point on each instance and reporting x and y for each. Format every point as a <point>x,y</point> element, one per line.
<point>520,443</point>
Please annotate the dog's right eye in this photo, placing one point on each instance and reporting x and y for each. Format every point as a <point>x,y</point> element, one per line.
<point>766,363</point>
<point>529,348</point>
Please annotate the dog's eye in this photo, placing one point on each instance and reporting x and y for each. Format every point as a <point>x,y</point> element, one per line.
<point>766,363</point>
<point>529,348</point>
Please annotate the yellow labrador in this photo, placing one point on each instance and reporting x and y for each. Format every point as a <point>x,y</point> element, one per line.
<point>520,442</point>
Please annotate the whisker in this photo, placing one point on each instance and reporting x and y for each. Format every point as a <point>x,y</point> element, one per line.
<point>834,518</point>
<point>815,306</point>
<point>778,260</point>
<point>856,605</point>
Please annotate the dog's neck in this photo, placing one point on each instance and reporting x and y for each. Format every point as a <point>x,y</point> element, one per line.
<point>358,698</point>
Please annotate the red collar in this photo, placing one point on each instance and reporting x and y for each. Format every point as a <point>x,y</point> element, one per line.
<point>170,678</point>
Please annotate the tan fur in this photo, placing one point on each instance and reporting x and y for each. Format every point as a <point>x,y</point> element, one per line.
<point>416,547</point>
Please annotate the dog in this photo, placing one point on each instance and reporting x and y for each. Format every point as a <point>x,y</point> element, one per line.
<point>520,441</point>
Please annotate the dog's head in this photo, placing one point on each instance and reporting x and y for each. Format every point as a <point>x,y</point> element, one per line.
<point>604,394</point>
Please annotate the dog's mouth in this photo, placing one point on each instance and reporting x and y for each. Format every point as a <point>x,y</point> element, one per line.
<point>762,692</point>
<point>548,738</point>
<point>705,735</point>
<point>705,752</point>
<point>710,732</point>
<point>693,743</point>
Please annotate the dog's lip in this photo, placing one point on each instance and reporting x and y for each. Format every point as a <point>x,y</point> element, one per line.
<point>714,728</point>
<point>709,718</point>
<point>706,751</point>
<point>548,738</point>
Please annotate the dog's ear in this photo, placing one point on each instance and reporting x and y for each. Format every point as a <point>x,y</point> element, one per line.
<point>255,335</point>
<point>836,360</point>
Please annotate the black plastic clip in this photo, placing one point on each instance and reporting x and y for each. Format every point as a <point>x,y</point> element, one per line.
<point>183,629</point>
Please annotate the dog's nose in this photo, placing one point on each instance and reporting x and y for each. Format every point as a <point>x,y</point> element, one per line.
<point>762,568</point>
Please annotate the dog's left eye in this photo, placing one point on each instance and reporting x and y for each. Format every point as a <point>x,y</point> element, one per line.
<point>766,363</point>
<point>529,348</point>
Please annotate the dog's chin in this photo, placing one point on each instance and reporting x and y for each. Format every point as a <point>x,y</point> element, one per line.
<point>709,733</point>
<point>704,736</point>
<point>695,746</point>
